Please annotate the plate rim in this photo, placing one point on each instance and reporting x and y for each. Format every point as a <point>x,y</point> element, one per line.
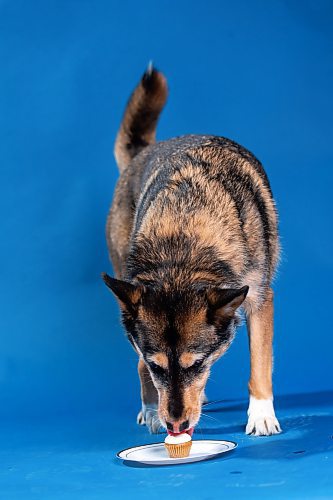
<point>157,444</point>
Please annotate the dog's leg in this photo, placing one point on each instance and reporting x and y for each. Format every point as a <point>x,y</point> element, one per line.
<point>262,420</point>
<point>148,415</point>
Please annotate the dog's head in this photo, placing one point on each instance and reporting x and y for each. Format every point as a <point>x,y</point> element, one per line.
<point>179,335</point>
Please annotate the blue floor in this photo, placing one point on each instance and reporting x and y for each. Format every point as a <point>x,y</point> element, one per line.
<point>75,458</point>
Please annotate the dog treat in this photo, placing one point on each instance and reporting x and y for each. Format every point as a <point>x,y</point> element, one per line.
<point>178,446</point>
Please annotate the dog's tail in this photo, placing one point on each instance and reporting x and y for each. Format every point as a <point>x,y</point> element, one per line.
<point>138,127</point>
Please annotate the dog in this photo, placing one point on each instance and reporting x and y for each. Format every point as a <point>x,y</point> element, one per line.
<point>193,238</point>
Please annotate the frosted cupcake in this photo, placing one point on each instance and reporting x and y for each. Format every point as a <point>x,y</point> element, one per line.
<point>179,445</point>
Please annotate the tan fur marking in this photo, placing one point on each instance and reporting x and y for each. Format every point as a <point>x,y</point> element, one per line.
<point>187,359</point>
<point>260,327</point>
<point>192,398</point>
<point>160,359</point>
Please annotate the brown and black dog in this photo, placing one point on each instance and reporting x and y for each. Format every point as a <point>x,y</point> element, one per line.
<point>193,238</point>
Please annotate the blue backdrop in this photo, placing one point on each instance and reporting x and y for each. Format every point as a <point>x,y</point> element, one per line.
<point>258,72</point>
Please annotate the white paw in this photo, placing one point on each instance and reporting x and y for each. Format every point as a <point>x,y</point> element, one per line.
<point>262,420</point>
<point>148,416</point>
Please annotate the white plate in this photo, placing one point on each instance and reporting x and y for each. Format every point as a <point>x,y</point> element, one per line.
<point>156,454</point>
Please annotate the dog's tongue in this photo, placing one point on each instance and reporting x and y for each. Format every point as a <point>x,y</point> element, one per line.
<point>189,431</point>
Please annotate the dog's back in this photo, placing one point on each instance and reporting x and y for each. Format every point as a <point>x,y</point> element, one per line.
<point>191,210</point>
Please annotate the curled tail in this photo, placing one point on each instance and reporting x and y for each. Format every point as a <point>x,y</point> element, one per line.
<point>138,127</point>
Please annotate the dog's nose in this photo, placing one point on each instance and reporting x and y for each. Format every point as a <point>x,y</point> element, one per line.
<point>184,426</point>
<point>177,427</point>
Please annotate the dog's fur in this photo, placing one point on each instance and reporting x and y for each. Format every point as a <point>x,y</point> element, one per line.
<point>192,235</point>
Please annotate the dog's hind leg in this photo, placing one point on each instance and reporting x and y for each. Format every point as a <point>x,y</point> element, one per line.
<point>262,420</point>
<point>149,413</point>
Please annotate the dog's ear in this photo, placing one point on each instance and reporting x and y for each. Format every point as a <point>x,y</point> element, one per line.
<point>128,295</point>
<point>224,302</point>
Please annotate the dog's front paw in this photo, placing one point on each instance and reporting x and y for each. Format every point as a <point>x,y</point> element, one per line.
<point>149,416</point>
<point>263,426</point>
<point>262,420</point>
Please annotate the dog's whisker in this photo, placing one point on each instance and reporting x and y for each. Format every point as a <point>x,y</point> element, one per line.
<point>212,418</point>
<point>199,428</point>
<point>217,401</point>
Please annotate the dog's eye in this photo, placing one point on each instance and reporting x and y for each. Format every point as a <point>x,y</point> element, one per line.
<point>156,368</point>
<point>197,363</point>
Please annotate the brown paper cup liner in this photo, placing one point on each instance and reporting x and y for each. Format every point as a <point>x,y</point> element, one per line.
<point>178,450</point>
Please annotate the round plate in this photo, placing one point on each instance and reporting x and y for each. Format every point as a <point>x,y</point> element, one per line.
<point>156,454</point>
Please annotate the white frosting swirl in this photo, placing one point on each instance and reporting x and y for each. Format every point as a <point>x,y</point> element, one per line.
<point>178,439</point>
